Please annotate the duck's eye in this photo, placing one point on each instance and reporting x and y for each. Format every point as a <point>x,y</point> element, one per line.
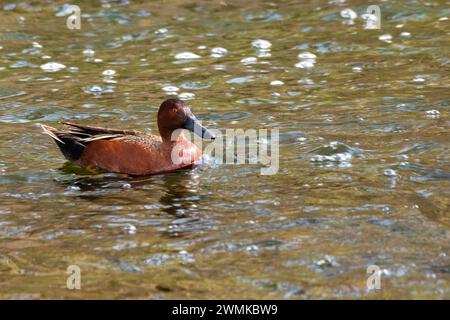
<point>174,110</point>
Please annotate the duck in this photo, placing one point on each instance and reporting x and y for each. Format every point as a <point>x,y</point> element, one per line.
<point>134,152</point>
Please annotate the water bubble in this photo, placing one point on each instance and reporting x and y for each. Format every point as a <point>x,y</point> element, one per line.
<point>89,52</point>
<point>186,96</point>
<point>129,228</point>
<point>162,31</point>
<point>252,249</point>
<point>31,51</point>
<point>261,44</point>
<point>195,85</point>
<point>390,173</point>
<point>306,81</point>
<point>386,38</point>
<point>170,89</point>
<point>386,210</point>
<point>97,90</point>
<point>418,79</point>
<point>249,60</point>
<point>189,69</point>
<point>73,188</point>
<point>307,55</point>
<point>186,56</point>
<point>357,69</point>
<point>276,83</point>
<point>327,262</point>
<point>305,64</point>
<point>334,153</point>
<point>52,66</point>
<point>405,34</point>
<point>307,60</point>
<point>433,114</point>
<point>109,73</point>
<point>348,14</point>
<point>240,80</point>
<point>218,52</point>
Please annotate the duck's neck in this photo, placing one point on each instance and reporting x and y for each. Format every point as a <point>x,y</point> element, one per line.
<point>168,136</point>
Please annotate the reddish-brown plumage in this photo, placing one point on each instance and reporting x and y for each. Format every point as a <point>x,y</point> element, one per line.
<point>135,158</point>
<point>134,152</point>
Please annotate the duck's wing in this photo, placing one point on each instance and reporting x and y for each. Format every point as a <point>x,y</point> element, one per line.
<point>86,134</point>
<point>76,138</point>
<point>92,131</point>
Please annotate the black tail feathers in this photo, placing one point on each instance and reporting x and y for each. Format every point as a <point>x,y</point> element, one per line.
<point>69,144</point>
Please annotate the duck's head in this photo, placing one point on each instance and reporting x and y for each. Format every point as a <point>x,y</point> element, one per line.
<point>173,114</point>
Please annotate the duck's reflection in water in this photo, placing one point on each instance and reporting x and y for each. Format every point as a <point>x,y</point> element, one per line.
<point>182,200</point>
<point>181,197</point>
<point>178,191</point>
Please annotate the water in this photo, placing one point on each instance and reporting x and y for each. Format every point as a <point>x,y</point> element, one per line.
<point>364,150</point>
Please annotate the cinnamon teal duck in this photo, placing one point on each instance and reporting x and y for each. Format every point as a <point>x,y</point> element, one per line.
<point>134,152</point>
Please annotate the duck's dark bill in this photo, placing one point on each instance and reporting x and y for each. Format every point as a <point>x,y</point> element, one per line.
<point>192,124</point>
